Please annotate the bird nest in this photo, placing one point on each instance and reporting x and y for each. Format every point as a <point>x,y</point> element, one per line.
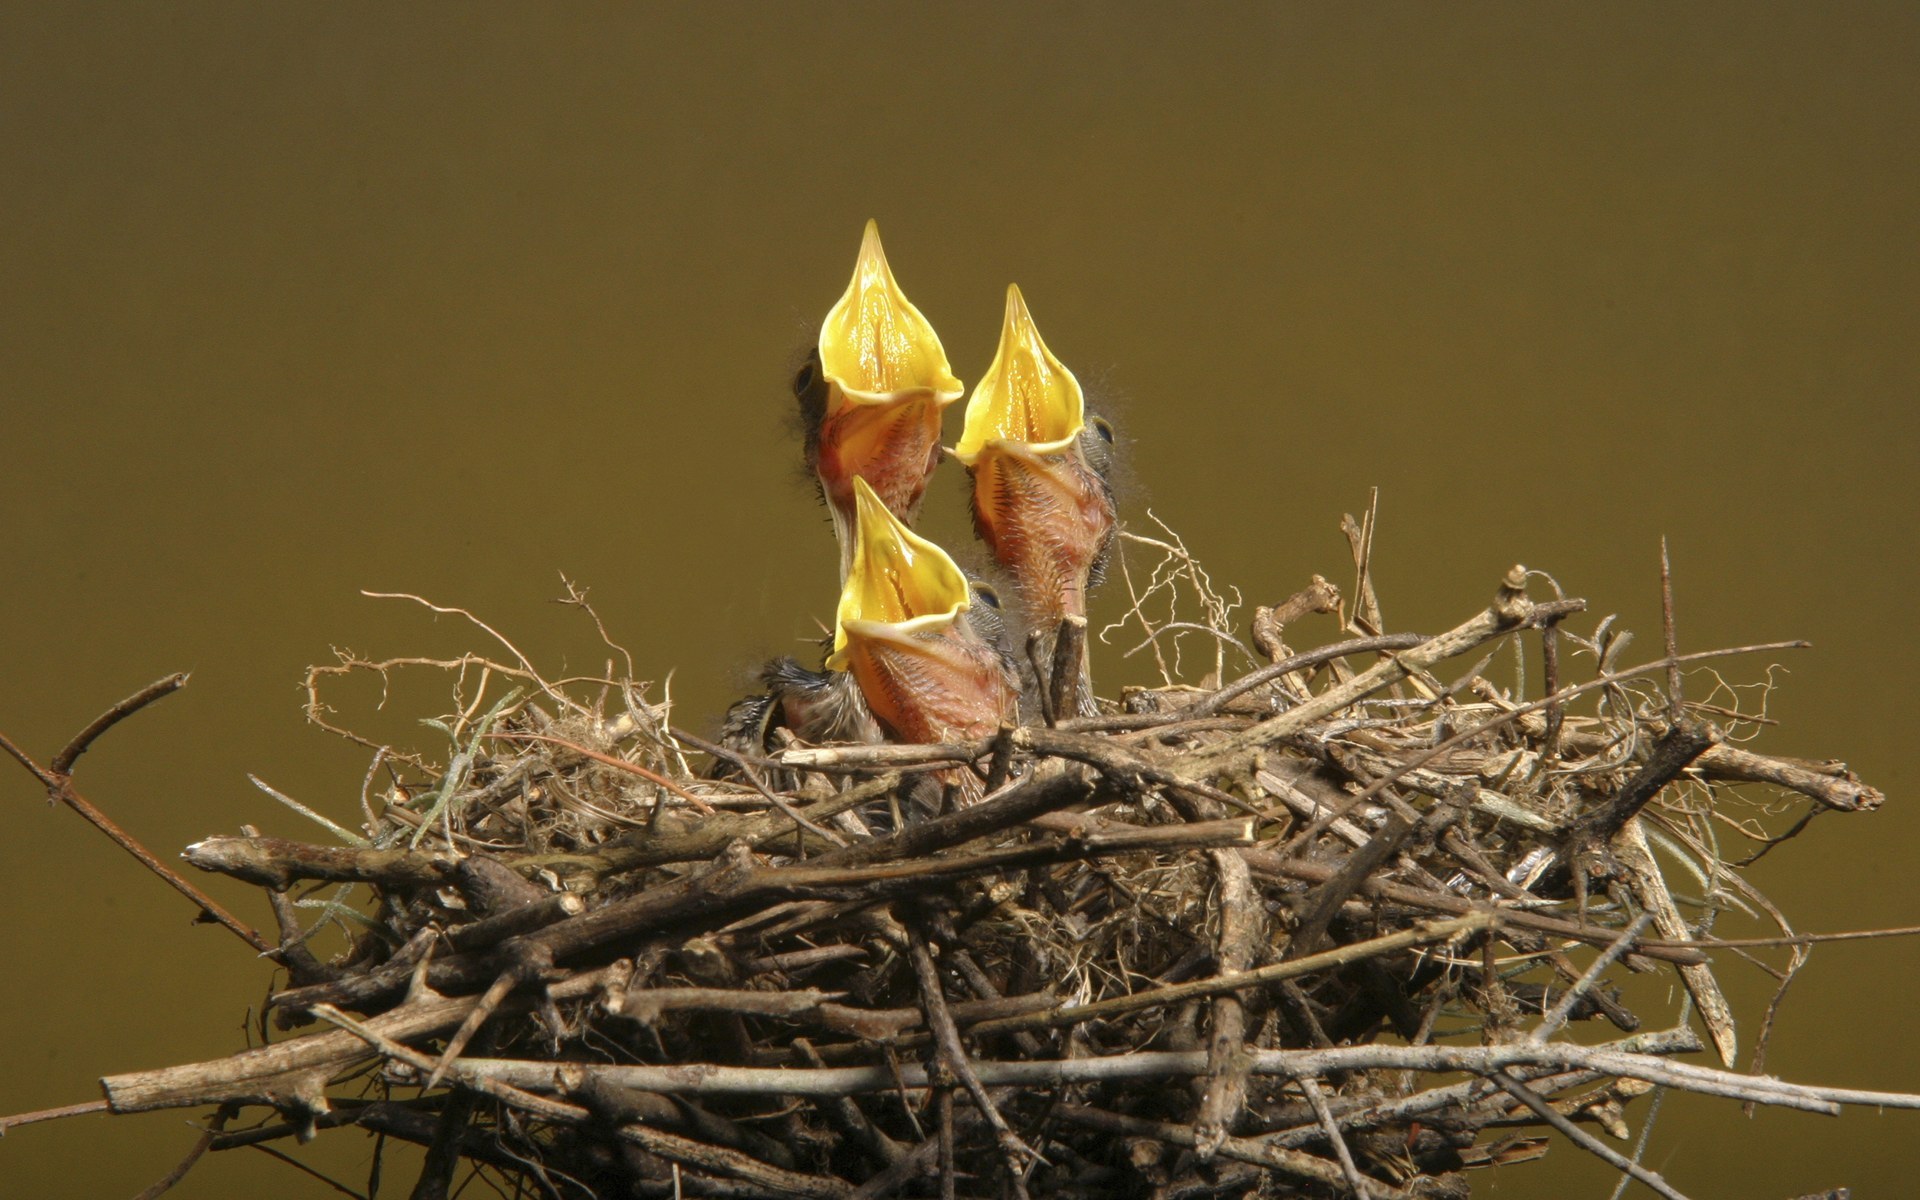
<point>1323,928</point>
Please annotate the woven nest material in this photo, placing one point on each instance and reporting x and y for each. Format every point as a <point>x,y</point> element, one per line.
<point>1216,941</point>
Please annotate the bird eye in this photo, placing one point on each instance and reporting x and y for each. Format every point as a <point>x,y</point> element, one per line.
<point>1102,428</point>
<point>804,378</point>
<point>986,595</point>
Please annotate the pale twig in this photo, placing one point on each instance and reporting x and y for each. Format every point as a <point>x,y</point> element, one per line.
<point>1581,1138</point>
<point>1318,1100</point>
<point>1551,1023</point>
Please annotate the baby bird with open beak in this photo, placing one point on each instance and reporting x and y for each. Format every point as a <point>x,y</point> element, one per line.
<point>1041,500</point>
<point>872,394</point>
<point>904,634</point>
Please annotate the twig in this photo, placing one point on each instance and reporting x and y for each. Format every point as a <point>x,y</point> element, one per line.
<point>1581,1138</point>
<point>1311,1089</point>
<point>1291,1162</point>
<point>1240,936</point>
<point>1215,985</point>
<point>1677,748</point>
<point>1153,1064</point>
<point>1511,715</point>
<point>87,1109</point>
<point>1065,685</point>
<point>1675,703</point>
<point>670,1146</point>
<point>953,1059</point>
<point>62,763</point>
<point>1458,1097</point>
<point>1557,1016</point>
<point>187,1164</point>
<point>60,787</point>
<point>617,763</point>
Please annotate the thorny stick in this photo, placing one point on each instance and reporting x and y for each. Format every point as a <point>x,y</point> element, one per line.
<point>58,780</point>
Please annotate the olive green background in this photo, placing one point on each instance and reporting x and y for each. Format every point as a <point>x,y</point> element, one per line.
<point>297,300</point>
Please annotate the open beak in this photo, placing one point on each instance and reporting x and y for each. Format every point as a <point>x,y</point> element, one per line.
<point>886,382</point>
<point>1038,501</point>
<point>902,633</point>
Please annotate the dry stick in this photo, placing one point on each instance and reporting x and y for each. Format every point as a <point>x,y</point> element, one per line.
<point>1321,823</point>
<point>1551,1023</point>
<point>668,1146</point>
<point>513,922</point>
<point>943,1105</point>
<point>1457,1097</point>
<point>1117,762</point>
<point>276,862</point>
<point>617,763</point>
<point>59,785</point>
<point>526,960</point>
<point>1036,650</point>
<point>1386,643</point>
<point>62,763</point>
<point>1581,1137</point>
<point>1240,935</point>
<point>165,1183</point>
<point>1650,888</point>
<point>953,1057</point>
<point>842,1112</point>
<point>1511,610</point>
<point>1325,900</point>
<point>1269,624</point>
<point>1397,893</point>
<point>1049,788</point>
<point>1667,630</point>
<point>1071,1014</point>
<point>735,881</point>
<point>1841,791</point>
<point>753,779</point>
<point>302,966</point>
<point>272,1073</point>
<point>714,1080</point>
<point>1797,939</point>
<point>1295,1163</point>
<point>1315,1097</point>
<point>910,1167</point>
<point>1065,695</point>
<point>1683,742</point>
<point>1550,683</point>
<point>52,1114</point>
<point>831,757</point>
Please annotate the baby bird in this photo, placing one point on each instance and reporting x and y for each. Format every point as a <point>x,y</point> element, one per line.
<point>1041,499</point>
<point>904,633</point>
<point>872,394</point>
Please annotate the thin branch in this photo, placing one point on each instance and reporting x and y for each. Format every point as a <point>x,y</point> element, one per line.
<point>1581,1138</point>
<point>62,763</point>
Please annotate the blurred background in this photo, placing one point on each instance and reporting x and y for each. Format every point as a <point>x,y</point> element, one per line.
<point>301,300</point>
